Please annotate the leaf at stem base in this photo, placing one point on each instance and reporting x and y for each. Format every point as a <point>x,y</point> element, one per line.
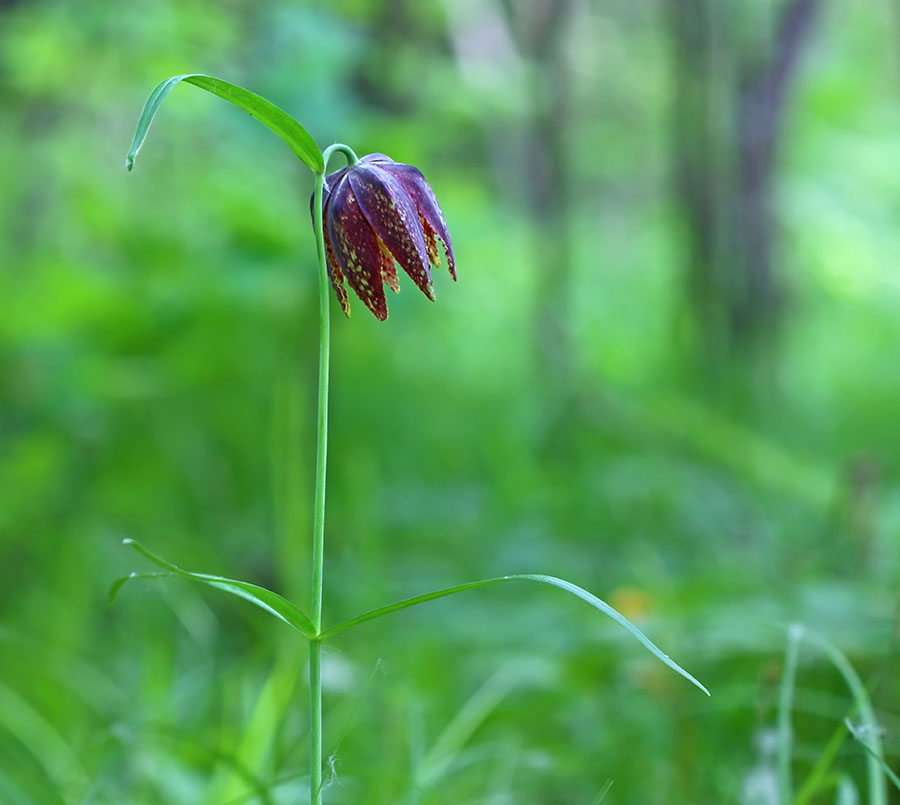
<point>265,599</point>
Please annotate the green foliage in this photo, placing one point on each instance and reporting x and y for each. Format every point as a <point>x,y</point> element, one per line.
<point>285,611</point>
<point>280,122</point>
<point>265,599</point>
<point>574,589</point>
<point>157,364</point>
<point>869,726</point>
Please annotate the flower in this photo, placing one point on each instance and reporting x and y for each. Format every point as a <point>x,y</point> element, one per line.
<point>373,213</point>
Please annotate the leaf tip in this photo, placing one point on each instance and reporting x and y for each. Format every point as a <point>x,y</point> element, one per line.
<point>128,541</point>
<point>696,682</point>
<point>115,587</point>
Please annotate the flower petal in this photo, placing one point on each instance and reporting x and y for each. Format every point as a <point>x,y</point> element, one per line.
<point>331,264</point>
<point>376,157</point>
<point>429,210</point>
<point>332,180</point>
<point>389,269</point>
<point>356,248</point>
<point>393,216</point>
<point>334,270</point>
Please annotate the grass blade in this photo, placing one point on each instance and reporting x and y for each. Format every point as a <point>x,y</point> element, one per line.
<point>265,599</point>
<point>785,705</point>
<point>553,581</point>
<point>275,119</point>
<point>603,792</point>
<point>877,784</point>
<point>50,748</point>
<point>846,793</point>
<point>435,764</point>
<point>857,734</point>
<point>818,776</point>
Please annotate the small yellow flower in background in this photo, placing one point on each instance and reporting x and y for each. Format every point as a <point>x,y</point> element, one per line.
<point>632,602</point>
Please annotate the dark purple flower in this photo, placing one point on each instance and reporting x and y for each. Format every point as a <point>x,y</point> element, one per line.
<point>375,212</point>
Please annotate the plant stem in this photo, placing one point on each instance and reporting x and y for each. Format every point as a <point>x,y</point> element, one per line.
<point>318,552</point>
<point>315,722</point>
<point>346,150</point>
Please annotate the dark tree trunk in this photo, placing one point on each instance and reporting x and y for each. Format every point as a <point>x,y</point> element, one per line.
<point>756,302</point>
<point>696,163</point>
<point>542,29</point>
<point>724,176</point>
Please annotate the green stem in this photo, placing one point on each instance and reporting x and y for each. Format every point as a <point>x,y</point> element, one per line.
<point>318,552</point>
<point>315,722</point>
<point>322,418</point>
<point>352,159</point>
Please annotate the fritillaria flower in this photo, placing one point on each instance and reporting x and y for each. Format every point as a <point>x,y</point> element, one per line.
<point>375,212</point>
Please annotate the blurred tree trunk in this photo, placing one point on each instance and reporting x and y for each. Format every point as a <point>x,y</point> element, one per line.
<point>520,50</point>
<point>540,30</point>
<point>697,163</point>
<point>724,164</point>
<point>391,26</point>
<point>542,34</point>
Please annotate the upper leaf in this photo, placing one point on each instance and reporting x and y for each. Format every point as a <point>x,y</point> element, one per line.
<point>297,138</point>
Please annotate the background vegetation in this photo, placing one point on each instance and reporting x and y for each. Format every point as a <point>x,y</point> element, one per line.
<point>668,372</point>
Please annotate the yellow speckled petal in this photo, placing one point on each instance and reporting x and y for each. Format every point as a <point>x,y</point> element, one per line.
<point>389,269</point>
<point>356,249</point>
<point>393,217</point>
<point>429,210</point>
<point>334,270</point>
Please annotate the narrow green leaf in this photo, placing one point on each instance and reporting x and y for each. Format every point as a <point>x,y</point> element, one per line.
<point>51,748</point>
<point>574,589</point>
<point>846,792</point>
<point>817,779</point>
<point>265,599</point>
<point>892,776</point>
<point>277,120</point>
<point>877,784</point>
<point>118,583</point>
<point>785,705</point>
<point>448,745</point>
<point>603,792</point>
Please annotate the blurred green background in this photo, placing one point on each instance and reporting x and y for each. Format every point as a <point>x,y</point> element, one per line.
<point>668,373</point>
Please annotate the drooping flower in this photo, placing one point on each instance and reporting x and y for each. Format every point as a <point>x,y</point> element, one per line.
<point>375,212</point>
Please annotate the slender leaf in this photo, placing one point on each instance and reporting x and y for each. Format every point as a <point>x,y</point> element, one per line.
<point>574,589</point>
<point>817,779</point>
<point>859,736</point>
<point>51,748</point>
<point>277,120</point>
<point>785,704</point>
<point>117,584</point>
<point>187,746</point>
<point>846,792</point>
<point>448,745</point>
<point>877,784</point>
<point>271,602</point>
<point>603,792</point>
